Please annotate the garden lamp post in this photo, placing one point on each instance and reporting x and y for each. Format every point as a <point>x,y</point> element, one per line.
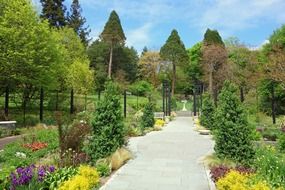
<point>197,90</point>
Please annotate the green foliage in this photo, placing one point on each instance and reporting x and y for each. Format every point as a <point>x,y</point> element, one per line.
<point>212,37</point>
<point>113,32</point>
<point>125,59</point>
<point>54,12</point>
<point>103,169</point>
<point>141,88</point>
<point>208,111</point>
<point>37,56</point>
<point>194,70</point>
<point>265,88</point>
<point>174,51</point>
<point>107,125</point>
<point>147,119</point>
<point>53,180</point>
<point>281,142</point>
<point>270,166</point>
<point>233,134</point>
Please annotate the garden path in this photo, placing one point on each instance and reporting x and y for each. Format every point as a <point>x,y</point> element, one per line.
<point>168,159</point>
<point>7,140</point>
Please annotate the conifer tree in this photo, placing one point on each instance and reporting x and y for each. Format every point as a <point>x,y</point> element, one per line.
<point>174,51</point>
<point>208,110</point>
<point>113,34</point>
<point>212,37</point>
<point>233,133</point>
<point>54,12</point>
<point>147,119</point>
<point>76,21</point>
<point>108,126</point>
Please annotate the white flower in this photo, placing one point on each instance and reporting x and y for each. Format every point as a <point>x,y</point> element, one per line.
<point>20,155</point>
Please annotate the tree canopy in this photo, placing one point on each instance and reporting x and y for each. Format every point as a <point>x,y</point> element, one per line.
<point>54,12</point>
<point>174,51</point>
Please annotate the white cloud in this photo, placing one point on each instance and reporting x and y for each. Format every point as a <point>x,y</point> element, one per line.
<point>233,15</point>
<point>139,37</point>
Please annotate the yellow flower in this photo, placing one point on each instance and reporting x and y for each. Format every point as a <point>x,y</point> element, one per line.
<point>159,122</point>
<point>87,178</point>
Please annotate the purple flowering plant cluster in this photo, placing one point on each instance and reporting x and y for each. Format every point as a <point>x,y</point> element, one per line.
<point>25,175</point>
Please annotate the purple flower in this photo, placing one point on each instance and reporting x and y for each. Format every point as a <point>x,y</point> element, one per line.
<point>24,175</point>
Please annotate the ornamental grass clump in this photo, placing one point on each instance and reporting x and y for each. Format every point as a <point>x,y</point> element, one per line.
<point>233,136</point>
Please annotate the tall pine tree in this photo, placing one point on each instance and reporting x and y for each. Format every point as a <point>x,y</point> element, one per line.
<point>174,51</point>
<point>54,12</point>
<point>76,21</point>
<point>113,34</point>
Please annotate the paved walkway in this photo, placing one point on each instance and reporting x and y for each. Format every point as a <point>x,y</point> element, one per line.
<point>7,140</point>
<point>166,160</point>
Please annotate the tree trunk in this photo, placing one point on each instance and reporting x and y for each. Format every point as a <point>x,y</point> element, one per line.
<point>110,62</point>
<point>41,104</point>
<point>211,83</point>
<point>71,101</point>
<point>241,94</point>
<point>273,105</point>
<point>7,102</point>
<point>173,80</point>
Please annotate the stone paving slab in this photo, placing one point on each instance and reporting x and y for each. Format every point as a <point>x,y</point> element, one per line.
<point>165,160</point>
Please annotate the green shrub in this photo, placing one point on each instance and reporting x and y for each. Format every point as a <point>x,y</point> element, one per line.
<point>208,110</point>
<point>233,133</point>
<point>141,88</point>
<point>107,125</point>
<point>147,119</point>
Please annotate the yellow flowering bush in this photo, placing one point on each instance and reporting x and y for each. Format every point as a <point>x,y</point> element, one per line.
<point>159,122</point>
<point>234,180</point>
<point>86,178</point>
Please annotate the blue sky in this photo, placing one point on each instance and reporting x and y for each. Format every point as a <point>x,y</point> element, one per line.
<point>149,22</point>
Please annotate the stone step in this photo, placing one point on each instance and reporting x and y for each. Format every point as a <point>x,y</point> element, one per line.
<point>183,113</point>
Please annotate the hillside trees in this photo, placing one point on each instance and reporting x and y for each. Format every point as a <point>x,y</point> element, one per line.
<point>174,51</point>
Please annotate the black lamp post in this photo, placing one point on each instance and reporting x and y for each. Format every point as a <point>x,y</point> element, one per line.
<point>197,90</point>
<point>166,102</point>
